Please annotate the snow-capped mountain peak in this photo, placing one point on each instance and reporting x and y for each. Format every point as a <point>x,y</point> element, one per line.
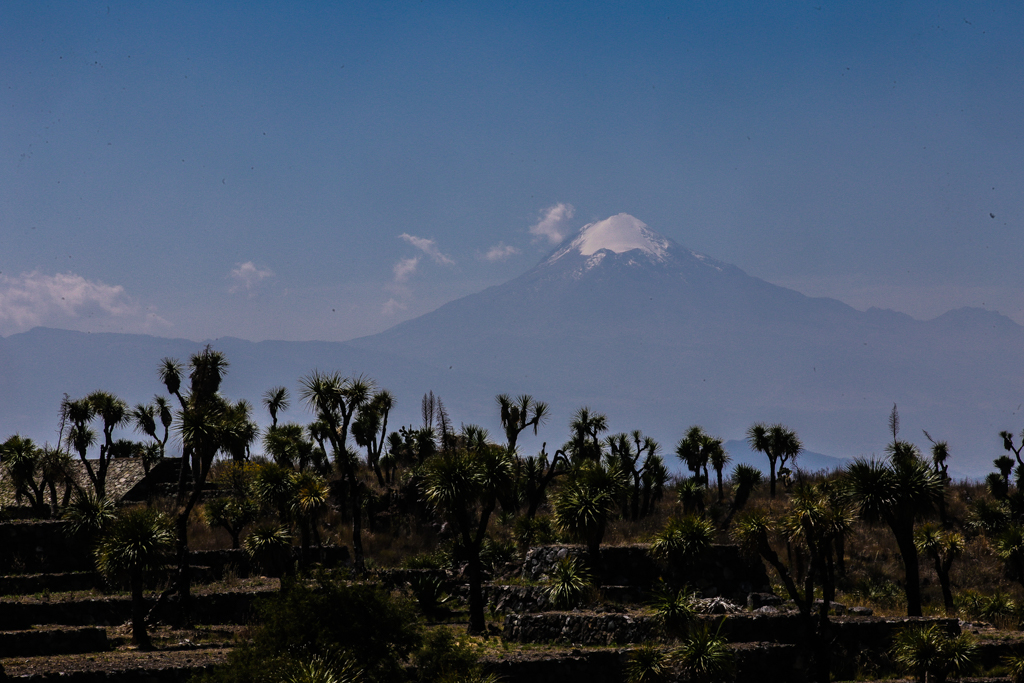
<point>617,234</point>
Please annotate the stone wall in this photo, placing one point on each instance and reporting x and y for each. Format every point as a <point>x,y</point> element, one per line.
<point>578,666</point>
<point>219,562</point>
<point>41,546</point>
<point>755,663</point>
<point>580,628</point>
<point>53,641</point>
<point>28,584</point>
<point>217,608</point>
<point>129,675</point>
<point>721,571</point>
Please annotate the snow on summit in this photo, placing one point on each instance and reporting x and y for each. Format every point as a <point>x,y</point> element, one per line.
<point>618,234</point>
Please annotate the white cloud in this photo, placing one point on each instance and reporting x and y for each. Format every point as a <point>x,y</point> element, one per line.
<point>428,247</point>
<point>500,252</point>
<point>66,299</point>
<point>552,222</point>
<point>392,306</point>
<point>246,276</point>
<point>406,267</point>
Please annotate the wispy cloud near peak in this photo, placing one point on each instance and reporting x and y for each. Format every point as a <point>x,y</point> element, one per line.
<point>500,252</point>
<point>552,224</point>
<point>428,247</point>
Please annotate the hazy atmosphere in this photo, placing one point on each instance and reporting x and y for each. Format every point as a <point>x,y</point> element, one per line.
<point>324,171</point>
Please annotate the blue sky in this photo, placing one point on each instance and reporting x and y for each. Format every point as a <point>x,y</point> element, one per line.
<point>326,170</point>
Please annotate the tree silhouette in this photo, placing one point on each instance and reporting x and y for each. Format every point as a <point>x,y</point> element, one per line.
<point>464,484</point>
<point>897,493</point>
<point>584,442</point>
<point>335,400</point>
<point>627,451</point>
<point>585,503</point>
<point>207,424</point>
<point>370,428</point>
<point>776,441</point>
<point>943,547</point>
<point>137,543</point>
<point>21,461</point>
<point>519,414</point>
<point>276,400</point>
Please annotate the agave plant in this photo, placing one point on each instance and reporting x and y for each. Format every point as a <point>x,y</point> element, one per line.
<point>675,608</point>
<point>683,539</point>
<point>268,545</point>
<point>704,656</point>
<point>1015,667</point>
<point>327,670</point>
<point>432,596</point>
<point>649,663</point>
<point>931,655</point>
<point>569,583</point>
<point>692,495</point>
<point>88,515</point>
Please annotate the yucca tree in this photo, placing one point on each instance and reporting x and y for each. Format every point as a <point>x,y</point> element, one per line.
<point>943,547</point>
<point>21,459</point>
<point>745,478</point>
<point>586,502</point>
<point>897,493</point>
<point>776,441</point>
<point>519,414</point>
<point>240,431</point>
<point>535,474</point>
<point>206,424</point>
<point>308,504</point>
<point>275,400</point>
<point>231,514</point>
<point>144,418</point>
<point>138,542</point>
<point>113,413</point>
<point>820,516</point>
<point>289,447</point>
<point>55,470</point>
<point>655,478</point>
<point>695,448</point>
<point>335,400</point>
<point>585,429</point>
<point>371,427</point>
<point>1009,545</point>
<point>629,450</point>
<point>940,454</point>
<point>464,485</point>
<point>999,484</point>
<point>754,531</point>
<point>718,458</point>
<point>163,411</point>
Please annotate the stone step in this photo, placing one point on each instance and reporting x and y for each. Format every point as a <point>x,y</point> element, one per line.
<point>213,608</point>
<point>53,641</point>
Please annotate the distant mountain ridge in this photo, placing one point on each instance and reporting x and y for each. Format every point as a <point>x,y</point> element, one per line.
<point>632,324</point>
